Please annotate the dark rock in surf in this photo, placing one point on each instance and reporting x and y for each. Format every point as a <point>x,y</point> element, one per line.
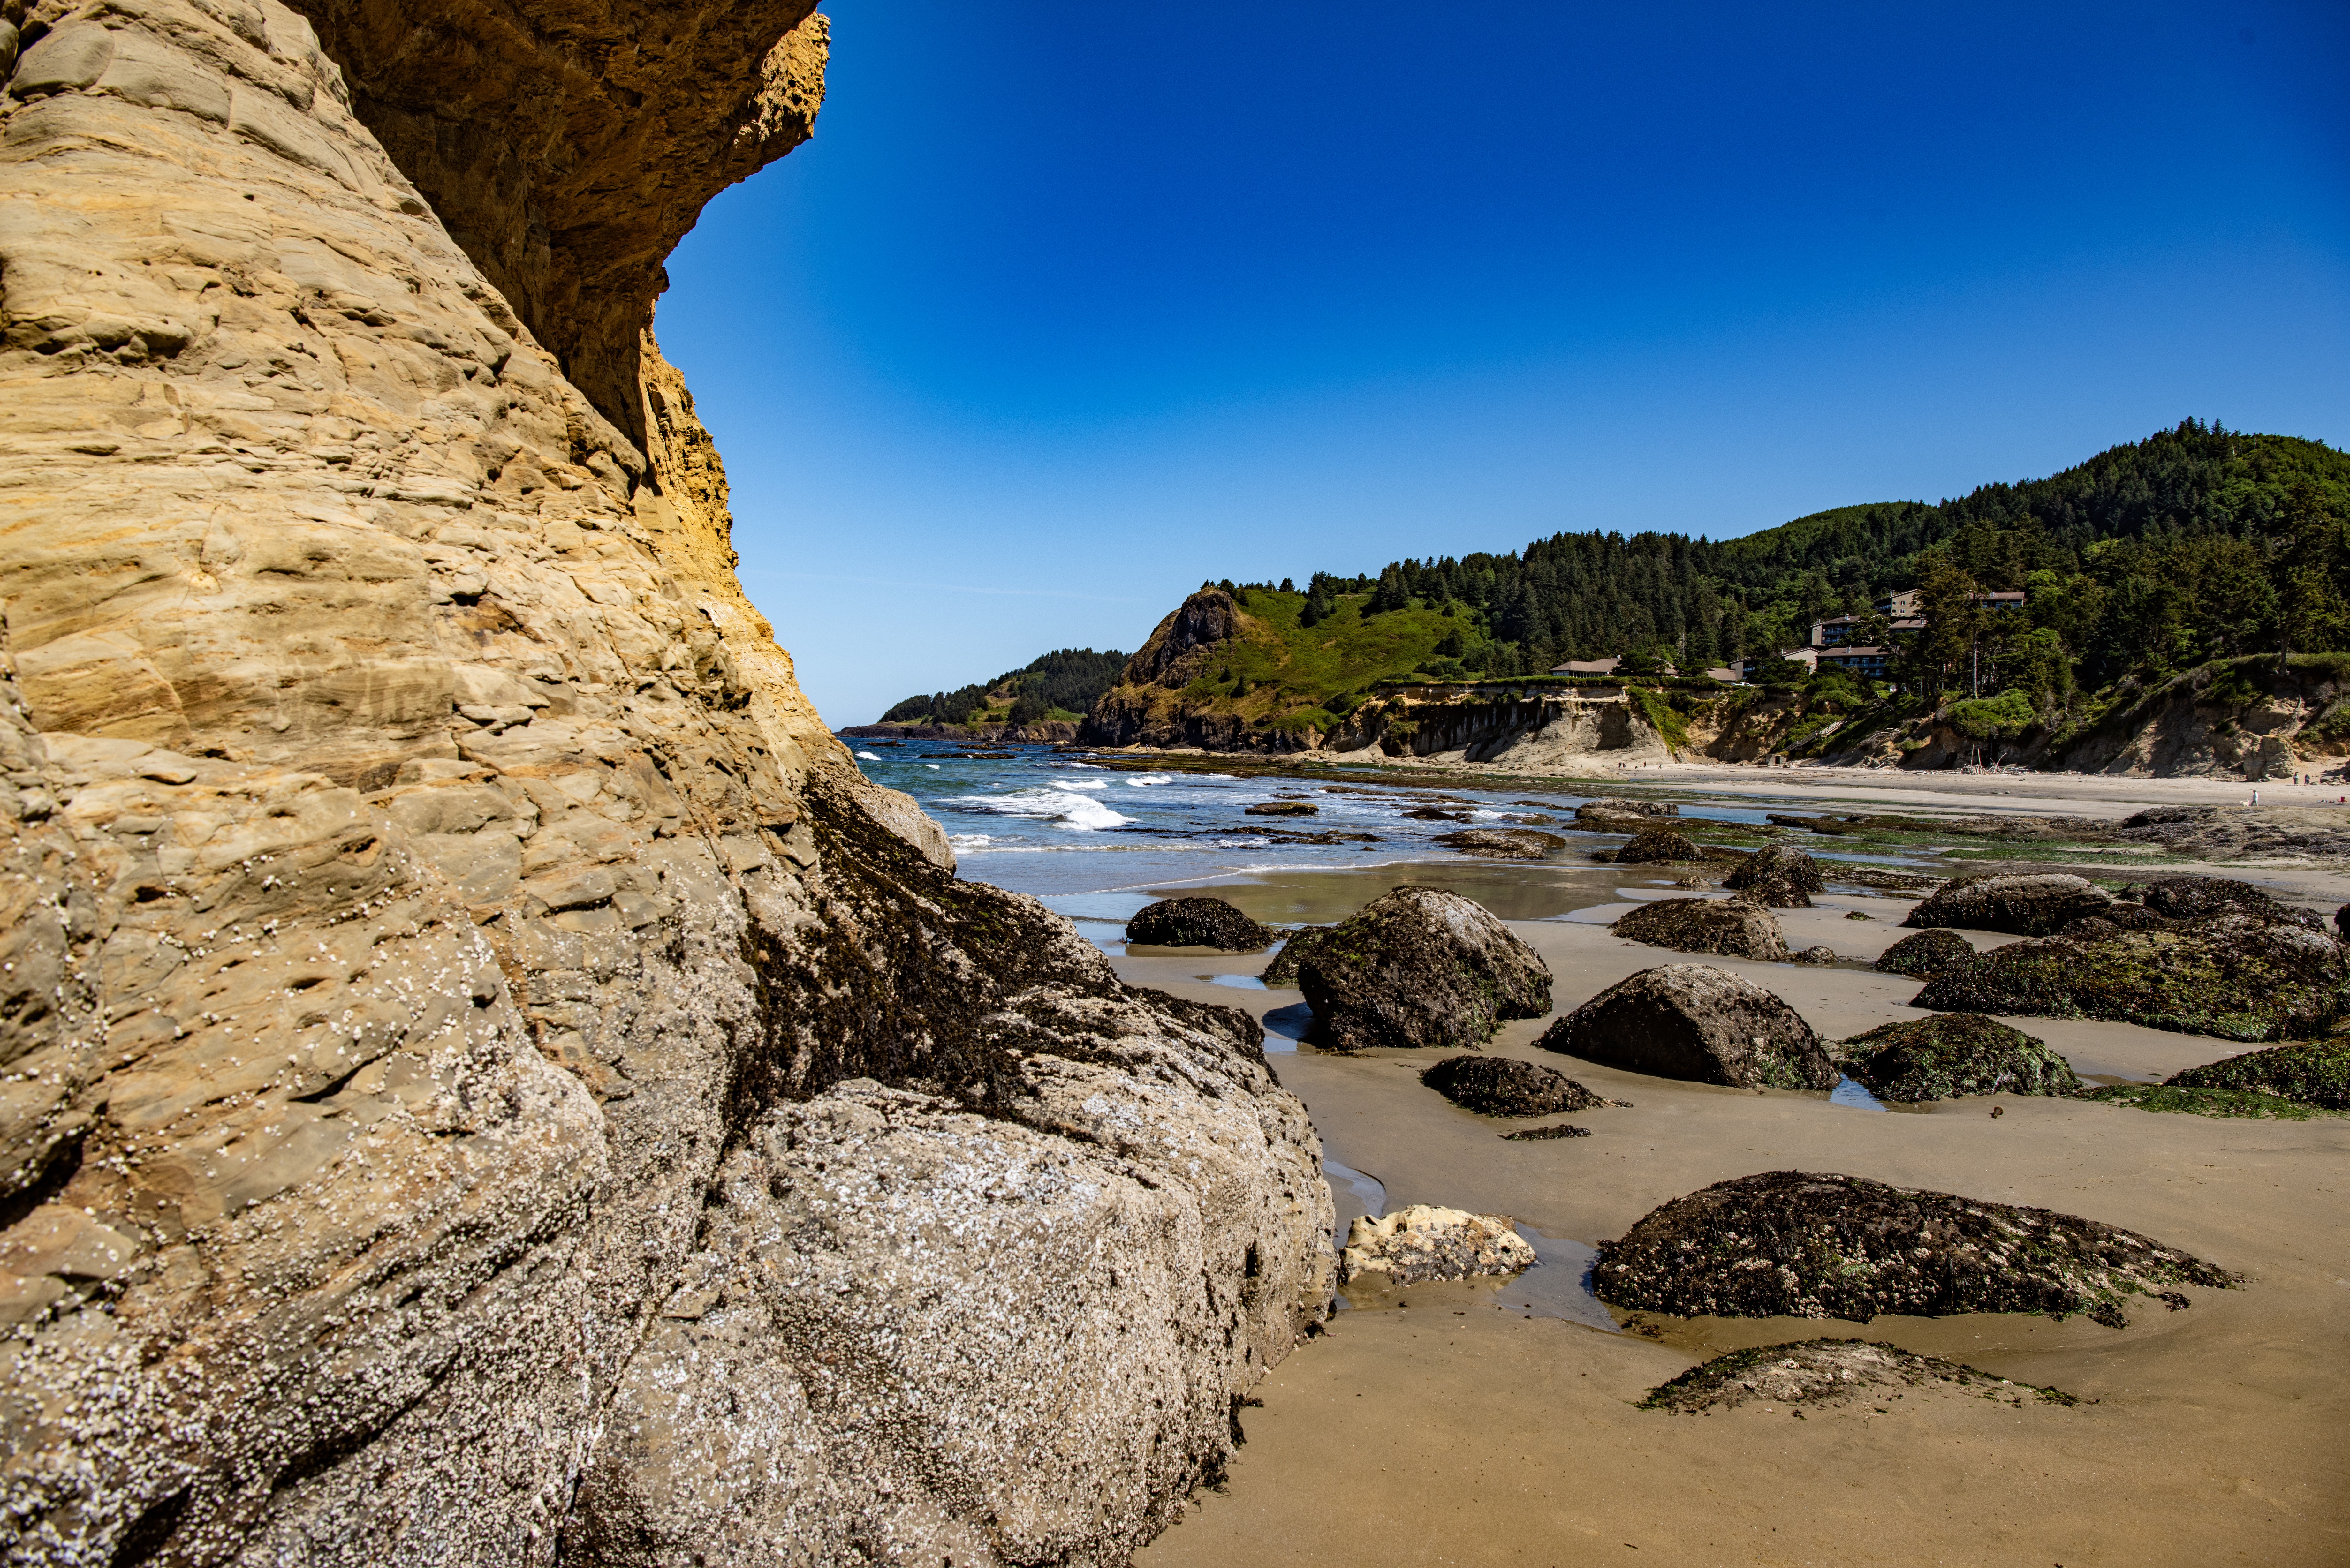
<point>1698,1024</point>
<point>1420,968</point>
<point>1197,923</point>
<point>1659,846</point>
<point>1503,843</point>
<point>1281,808</point>
<point>1790,1243</point>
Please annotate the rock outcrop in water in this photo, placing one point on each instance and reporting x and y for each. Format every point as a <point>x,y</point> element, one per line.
<point>1420,968</point>
<point>1780,876</point>
<point>483,1070</point>
<point>1699,1023</point>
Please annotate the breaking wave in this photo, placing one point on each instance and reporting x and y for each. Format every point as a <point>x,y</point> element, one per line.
<point>1062,808</point>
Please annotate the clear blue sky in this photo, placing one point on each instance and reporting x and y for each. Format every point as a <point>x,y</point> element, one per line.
<point>1071,305</point>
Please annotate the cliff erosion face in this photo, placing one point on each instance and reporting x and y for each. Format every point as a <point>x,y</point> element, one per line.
<point>481,1074</point>
<point>1150,707</point>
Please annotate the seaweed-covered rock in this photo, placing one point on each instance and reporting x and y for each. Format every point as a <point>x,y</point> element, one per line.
<point>2313,1072</point>
<point>1197,923</point>
<point>1821,1372</point>
<point>2236,976</point>
<point>1613,806</point>
<point>1425,1242</point>
<point>1282,970</point>
<point>1926,954</point>
<point>2031,906</point>
<point>1543,1134</point>
<point>1814,955</point>
<point>1657,845</point>
<point>2200,897</point>
<point>1505,1086</point>
<point>1281,808</point>
<point>1420,967</point>
<point>1790,1243</point>
<point>2247,1104</point>
<point>1728,926</point>
<point>1781,876</point>
<point>1954,1054</point>
<point>1698,1024</point>
<point>1503,843</point>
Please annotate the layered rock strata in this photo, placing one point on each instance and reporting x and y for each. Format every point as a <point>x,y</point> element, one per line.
<point>484,1077</point>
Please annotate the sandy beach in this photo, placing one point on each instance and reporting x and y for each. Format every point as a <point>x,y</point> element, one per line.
<point>1495,1423</point>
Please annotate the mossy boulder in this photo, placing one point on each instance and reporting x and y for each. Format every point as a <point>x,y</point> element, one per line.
<point>1791,1243</point>
<point>1197,923</point>
<point>1420,968</point>
<point>2028,905</point>
<point>2202,898</point>
<point>1282,970</point>
<point>1657,845</point>
<point>1952,1055</point>
<point>1607,808</point>
<point>1824,1373</point>
<point>2313,1072</point>
<point>1503,843</point>
<point>1505,1086</point>
<point>1728,926</point>
<point>1926,954</point>
<point>2245,1103</point>
<point>1779,875</point>
<point>2235,976</point>
<point>1698,1024</point>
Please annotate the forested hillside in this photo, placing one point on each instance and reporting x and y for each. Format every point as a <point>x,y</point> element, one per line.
<point>1062,684</point>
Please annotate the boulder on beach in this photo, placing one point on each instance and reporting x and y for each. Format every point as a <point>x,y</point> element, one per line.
<point>1659,846</point>
<point>1780,876</point>
<point>1790,1243</point>
<point>1197,923</point>
<point>1726,926</point>
<point>1503,843</point>
<point>1698,1024</point>
<point>1952,1055</point>
<point>1926,954</point>
<point>1281,808</point>
<point>1283,970</point>
<point>2031,906</point>
<point>1420,967</point>
<point>1505,1086</point>
<point>2236,976</point>
<point>2200,897</point>
<point>1814,955</point>
<point>2309,1073</point>
<point>1824,1373</point>
<point>1424,1242</point>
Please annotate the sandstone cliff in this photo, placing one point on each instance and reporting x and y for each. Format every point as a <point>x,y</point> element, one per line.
<point>485,1077</point>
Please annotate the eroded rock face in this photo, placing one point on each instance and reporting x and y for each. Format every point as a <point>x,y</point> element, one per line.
<point>428,877</point>
<point>1729,926</point>
<point>1505,1086</point>
<point>1420,968</point>
<point>1425,1242</point>
<point>1790,1243</point>
<point>2021,905</point>
<point>1780,876</point>
<point>1699,1023</point>
<point>1197,923</point>
<point>1953,1054</point>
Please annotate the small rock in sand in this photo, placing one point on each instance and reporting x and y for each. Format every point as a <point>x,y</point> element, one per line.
<point>1197,923</point>
<point>1820,1373</point>
<point>1505,1086</point>
<point>1926,954</point>
<point>1424,1242</point>
<point>1696,1022</point>
<point>1727,925</point>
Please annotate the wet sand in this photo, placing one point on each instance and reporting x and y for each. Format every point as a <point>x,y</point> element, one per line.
<point>1461,1428</point>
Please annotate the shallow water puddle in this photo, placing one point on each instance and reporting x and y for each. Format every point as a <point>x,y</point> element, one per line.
<point>1560,1284</point>
<point>1237,982</point>
<point>1363,1194</point>
<point>1288,1026</point>
<point>1850,1092</point>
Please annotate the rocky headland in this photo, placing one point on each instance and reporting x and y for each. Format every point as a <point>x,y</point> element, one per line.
<point>487,1080</point>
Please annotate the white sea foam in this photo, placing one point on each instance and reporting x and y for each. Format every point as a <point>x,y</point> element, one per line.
<point>867,757</point>
<point>964,843</point>
<point>1147,780</point>
<point>1086,783</point>
<point>933,766</point>
<point>1062,808</point>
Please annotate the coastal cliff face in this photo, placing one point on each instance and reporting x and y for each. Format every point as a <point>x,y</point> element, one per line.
<point>1161,698</point>
<point>481,1076</point>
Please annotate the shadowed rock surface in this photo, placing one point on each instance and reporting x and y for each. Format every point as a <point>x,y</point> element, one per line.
<point>485,1073</point>
<point>2020,906</point>
<point>1425,1242</point>
<point>1822,1373</point>
<point>1657,845</point>
<point>1503,843</point>
<point>2235,976</point>
<point>1282,970</point>
<point>1699,1023</point>
<point>1951,1055</point>
<point>1728,926</point>
<point>1506,1087</point>
<point>2313,1073</point>
<point>1790,1243</point>
<point>1197,923</point>
<point>1779,875</point>
<point>1614,805</point>
<point>1926,954</point>
<point>1417,967</point>
<point>2202,898</point>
